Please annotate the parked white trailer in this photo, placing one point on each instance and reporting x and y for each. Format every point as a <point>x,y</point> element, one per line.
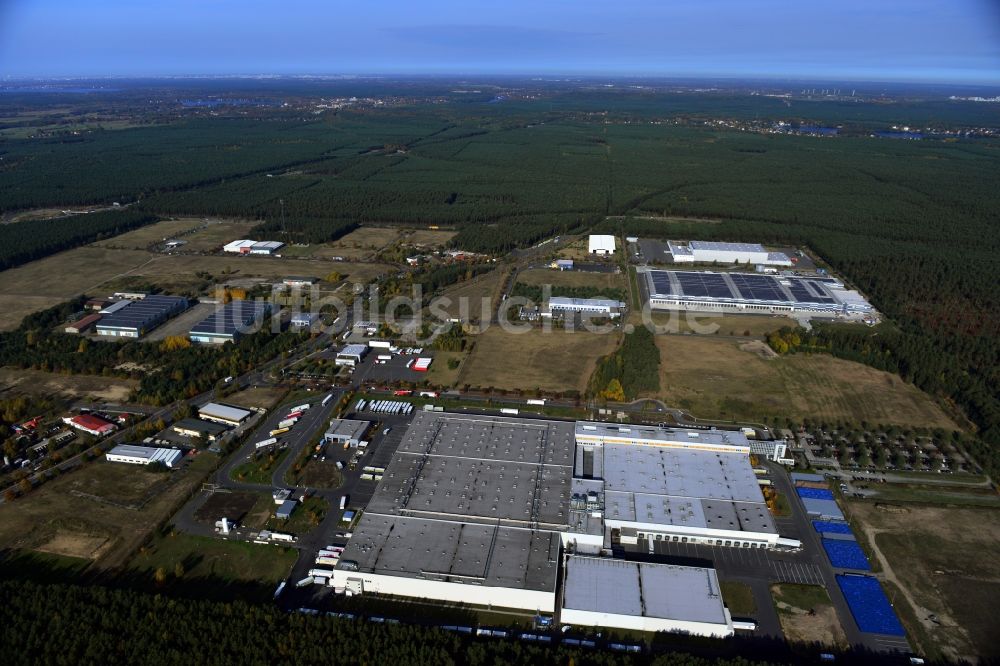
<point>327,399</point>
<point>287,423</point>
<point>266,442</point>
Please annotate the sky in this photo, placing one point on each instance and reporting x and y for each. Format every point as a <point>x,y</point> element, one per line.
<point>956,41</point>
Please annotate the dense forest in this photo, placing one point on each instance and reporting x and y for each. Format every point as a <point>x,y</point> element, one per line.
<point>21,243</point>
<point>57,624</point>
<point>913,224</point>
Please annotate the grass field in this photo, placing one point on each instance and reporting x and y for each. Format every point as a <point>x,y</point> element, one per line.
<point>428,237</point>
<point>572,278</point>
<point>306,516</point>
<point>262,397</point>
<point>556,361</point>
<point>213,567</point>
<point>316,474</point>
<point>474,300</point>
<point>726,324</point>
<point>260,470</point>
<point>77,387</point>
<point>246,509</point>
<point>440,374</point>
<point>368,238</point>
<point>215,234</point>
<point>738,598</point>
<point>102,512</point>
<point>714,378</point>
<point>942,562</point>
<point>807,615</point>
<point>141,238</point>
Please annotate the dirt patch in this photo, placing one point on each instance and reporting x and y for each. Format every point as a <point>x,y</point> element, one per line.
<point>74,545</point>
<point>264,398</point>
<point>821,626</point>
<point>234,506</point>
<point>761,349</point>
<point>85,387</point>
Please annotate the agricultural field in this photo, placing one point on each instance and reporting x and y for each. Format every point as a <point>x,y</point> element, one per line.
<point>430,238</point>
<point>807,615</point>
<point>540,276</point>
<point>214,567</point>
<point>362,242</point>
<point>716,378</point>
<point>941,572</point>
<point>212,234</point>
<point>556,361</point>
<point>75,387</point>
<point>102,512</point>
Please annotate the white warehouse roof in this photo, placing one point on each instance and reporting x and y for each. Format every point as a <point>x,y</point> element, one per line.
<point>601,243</point>
<point>144,455</point>
<point>644,596</point>
<point>237,245</point>
<point>224,412</point>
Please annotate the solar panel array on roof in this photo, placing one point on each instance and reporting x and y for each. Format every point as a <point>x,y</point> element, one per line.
<point>751,290</point>
<point>145,314</point>
<point>231,318</point>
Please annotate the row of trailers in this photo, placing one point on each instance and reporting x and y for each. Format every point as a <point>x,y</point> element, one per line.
<point>391,407</point>
<point>486,632</point>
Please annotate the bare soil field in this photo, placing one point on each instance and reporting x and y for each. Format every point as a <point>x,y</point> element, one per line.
<point>234,506</point>
<point>80,387</point>
<point>572,278</point>
<point>555,361</point>
<point>167,267</point>
<point>369,238</point>
<point>713,378</point>
<point>941,563</point>
<point>101,512</point>
<point>807,616</point>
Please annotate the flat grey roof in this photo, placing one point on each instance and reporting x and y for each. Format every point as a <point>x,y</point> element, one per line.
<point>480,468</point>
<point>665,591</point>
<point>346,429</point>
<point>353,350</point>
<point>716,246</point>
<point>565,302</point>
<point>454,551</point>
<point>150,453</point>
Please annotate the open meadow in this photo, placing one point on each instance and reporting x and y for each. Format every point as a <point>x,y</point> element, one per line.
<point>539,276</point>
<point>941,571</point>
<point>102,512</point>
<point>556,361</point>
<point>472,300</point>
<point>807,615</point>
<point>714,378</point>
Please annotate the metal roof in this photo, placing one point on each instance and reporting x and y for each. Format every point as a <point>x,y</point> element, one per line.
<point>267,245</point>
<point>665,591</point>
<point>166,456</point>
<point>601,242</point>
<point>353,350</point>
<point>565,302</point>
<point>143,314</point>
<point>346,429</point>
<point>198,425</point>
<point>610,432</point>
<point>225,412</point>
<point>232,318</point>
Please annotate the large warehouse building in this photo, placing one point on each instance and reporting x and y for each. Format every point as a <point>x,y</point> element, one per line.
<point>560,305</point>
<point>135,318</point>
<point>474,509</point>
<point>225,414</point>
<point>229,322</point>
<point>601,244</point>
<point>707,291</point>
<point>469,510</point>
<point>725,253</point>
<point>664,484</point>
<point>144,455</point>
<point>641,596</point>
<point>253,247</point>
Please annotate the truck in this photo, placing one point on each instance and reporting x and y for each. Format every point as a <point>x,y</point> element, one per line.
<point>343,502</point>
<point>536,401</point>
<point>287,423</point>
<point>379,344</point>
<point>300,408</point>
<point>326,400</point>
<point>508,410</point>
<point>265,442</point>
<point>403,392</point>
<point>278,431</point>
<point>428,394</point>
<point>293,415</point>
<point>384,357</point>
<point>329,561</point>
